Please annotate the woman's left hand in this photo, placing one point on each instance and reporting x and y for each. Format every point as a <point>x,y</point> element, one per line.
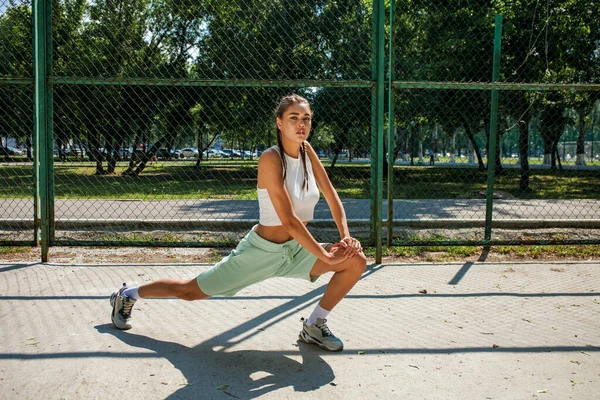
<point>353,246</point>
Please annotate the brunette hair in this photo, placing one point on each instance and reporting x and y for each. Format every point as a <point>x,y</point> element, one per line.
<point>284,104</point>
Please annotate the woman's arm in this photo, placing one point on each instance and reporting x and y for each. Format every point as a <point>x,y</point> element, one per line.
<point>270,173</point>
<point>332,198</point>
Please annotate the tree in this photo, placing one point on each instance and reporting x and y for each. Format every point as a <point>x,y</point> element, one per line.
<point>554,42</point>
<point>341,112</point>
<point>16,60</point>
<point>436,39</point>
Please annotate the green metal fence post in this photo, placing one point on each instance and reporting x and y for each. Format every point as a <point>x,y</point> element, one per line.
<point>373,193</point>
<point>50,124</point>
<point>377,125</point>
<point>380,121</point>
<point>42,122</point>
<point>391,131</point>
<point>493,130</point>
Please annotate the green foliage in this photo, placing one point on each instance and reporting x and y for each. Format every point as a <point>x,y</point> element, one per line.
<point>249,40</point>
<point>16,51</point>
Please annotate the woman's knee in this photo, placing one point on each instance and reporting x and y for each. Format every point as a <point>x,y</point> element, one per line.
<point>358,263</point>
<point>191,291</point>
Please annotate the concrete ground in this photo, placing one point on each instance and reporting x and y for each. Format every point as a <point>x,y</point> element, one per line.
<point>481,331</point>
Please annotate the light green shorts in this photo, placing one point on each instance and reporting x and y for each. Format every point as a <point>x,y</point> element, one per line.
<point>254,260</point>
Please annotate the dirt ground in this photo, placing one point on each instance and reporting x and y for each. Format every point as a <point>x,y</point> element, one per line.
<point>182,255</point>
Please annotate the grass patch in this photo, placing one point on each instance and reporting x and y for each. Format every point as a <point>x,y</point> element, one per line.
<point>539,252</point>
<point>237,180</point>
<point>14,250</point>
<point>450,183</point>
<point>461,253</point>
<point>441,252</point>
<point>143,237</point>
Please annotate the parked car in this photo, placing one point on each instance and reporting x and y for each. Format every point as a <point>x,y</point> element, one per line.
<point>341,155</point>
<point>212,153</point>
<point>76,152</point>
<point>10,151</point>
<point>125,153</point>
<point>232,153</point>
<point>189,153</point>
<point>18,151</point>
<point>167,154</point>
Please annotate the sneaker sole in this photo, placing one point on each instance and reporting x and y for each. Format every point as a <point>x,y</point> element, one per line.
<point>306,338</point>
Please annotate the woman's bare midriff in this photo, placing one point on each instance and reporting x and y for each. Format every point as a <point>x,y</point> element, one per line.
<point>275,234</point>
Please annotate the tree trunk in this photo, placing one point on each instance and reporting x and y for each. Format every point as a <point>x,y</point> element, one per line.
<point>554,156</point>
<point>111,160</point>
<point>80,145</point>
<point>580,138</point>
<point>95,155</point>
<point>557,157</point>
<point>132,156</point>
<point>200,150</point>
<point>548,151</point>
<point>337,148</point>
<point>471,137</point>
<point>147,156</point>
<point>334,159</point>
<point>109,147</point>
<point>499,168</point>
<point>547,158</point>
<point>524,155</point>
<point>453,147</point>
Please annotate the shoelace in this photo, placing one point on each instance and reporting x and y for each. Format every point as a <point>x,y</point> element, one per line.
<point>324,328</point>
<point>127,305</point>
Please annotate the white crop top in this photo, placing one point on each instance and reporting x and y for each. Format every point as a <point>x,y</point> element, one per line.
<point>303,201</point>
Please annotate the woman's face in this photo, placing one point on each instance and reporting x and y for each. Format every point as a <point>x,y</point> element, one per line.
<point>295,123</point>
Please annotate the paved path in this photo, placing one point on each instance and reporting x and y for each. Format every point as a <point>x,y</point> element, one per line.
<point>482,331</point>
<point>207,210</point>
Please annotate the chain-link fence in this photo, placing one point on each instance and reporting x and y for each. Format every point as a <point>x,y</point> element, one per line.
<point>158,111</point>
<point>16,123</point>
<point>546,161</point>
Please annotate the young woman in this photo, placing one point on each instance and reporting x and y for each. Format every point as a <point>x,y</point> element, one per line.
<point>289,178</point>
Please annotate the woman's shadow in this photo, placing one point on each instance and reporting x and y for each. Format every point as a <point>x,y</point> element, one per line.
<point>208,371</point>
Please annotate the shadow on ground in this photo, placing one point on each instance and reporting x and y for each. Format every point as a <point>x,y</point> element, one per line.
<point>247,373</point>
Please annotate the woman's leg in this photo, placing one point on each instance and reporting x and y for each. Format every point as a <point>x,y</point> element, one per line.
<point>185,290</point>
<point>346,274</point>
<point>345,277</point>
<point>122,301</point>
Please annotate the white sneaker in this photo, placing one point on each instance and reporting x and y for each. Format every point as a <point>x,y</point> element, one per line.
<point>122,306</point>
<point>320,335</point>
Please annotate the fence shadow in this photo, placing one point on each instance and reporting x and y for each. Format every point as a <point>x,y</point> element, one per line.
<point>251,373</point>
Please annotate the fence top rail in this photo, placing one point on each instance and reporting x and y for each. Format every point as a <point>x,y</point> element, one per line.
<point>496,86</point>
<point>121,81</point>
<point>15,81</point>
<point>588,87</point>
